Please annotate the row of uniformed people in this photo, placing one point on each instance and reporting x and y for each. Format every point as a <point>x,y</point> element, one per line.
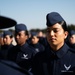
<point>9,67</point>
<point>25,50</point>
<point>56,59</point>
<point>35,41</point>
<point>21,52</point>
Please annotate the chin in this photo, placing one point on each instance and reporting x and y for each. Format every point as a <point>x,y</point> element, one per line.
<point>53,44</point>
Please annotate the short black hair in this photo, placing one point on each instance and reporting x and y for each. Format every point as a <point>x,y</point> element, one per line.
<point>64,25</point>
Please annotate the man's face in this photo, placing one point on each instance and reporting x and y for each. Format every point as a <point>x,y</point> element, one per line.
<point>56,35</point>
<point>7,40</point>
<point>20,37</point>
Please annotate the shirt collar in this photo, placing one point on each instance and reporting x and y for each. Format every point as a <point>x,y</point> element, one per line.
<point>23,46</point>
<point>60,53</point>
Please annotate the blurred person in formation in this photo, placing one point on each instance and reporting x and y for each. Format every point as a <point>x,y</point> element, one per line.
<point>58,57</point>
<point>22,53</point>
<point>7,40</point>
<point>40,34</point>
<point>35,42</point>
<point>71,39</point>
<point>42,38</point>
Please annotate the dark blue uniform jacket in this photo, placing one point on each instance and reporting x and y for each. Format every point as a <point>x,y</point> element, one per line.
<point>4,51</point>
<point>38,47</point>
<point>22,55</point>
<point>49,62</point>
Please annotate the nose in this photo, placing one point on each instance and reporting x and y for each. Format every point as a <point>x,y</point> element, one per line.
<point>52,33</point>
<point>17,36</point>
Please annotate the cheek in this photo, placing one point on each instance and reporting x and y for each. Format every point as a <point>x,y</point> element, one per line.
<point>62,35</point>
<point>23,38</point>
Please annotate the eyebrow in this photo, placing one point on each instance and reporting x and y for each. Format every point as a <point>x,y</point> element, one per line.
<point>53,28</point>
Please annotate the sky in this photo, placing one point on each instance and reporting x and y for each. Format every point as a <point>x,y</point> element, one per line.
<point>33,13</point>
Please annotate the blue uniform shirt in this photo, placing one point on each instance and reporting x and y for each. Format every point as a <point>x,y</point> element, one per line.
<point>61,62</point>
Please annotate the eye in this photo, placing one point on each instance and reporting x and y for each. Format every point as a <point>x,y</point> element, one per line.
<point>19,34</point>
<point>55,30</point>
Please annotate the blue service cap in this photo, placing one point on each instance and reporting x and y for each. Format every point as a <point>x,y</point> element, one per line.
<point>33,33</point>
<point>53,18</point>
<point>72,32</point>
<point>20,27</point>
<point>7,33</point>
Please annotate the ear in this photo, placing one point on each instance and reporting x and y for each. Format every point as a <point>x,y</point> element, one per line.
<point>66,34</point>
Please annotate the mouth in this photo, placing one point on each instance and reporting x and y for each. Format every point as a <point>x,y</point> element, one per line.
<point>52,39</point>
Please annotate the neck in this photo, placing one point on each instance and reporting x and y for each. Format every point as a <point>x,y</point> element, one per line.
<point>22,44</point>
<point>57,47</point>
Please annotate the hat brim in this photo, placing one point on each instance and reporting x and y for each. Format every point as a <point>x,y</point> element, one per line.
<point>6,22</point>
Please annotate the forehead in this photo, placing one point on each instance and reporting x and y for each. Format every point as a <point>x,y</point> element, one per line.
<point>55,26</point>
<point>21,32</point>
<point>7,36</point>
<point>34,37</point>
